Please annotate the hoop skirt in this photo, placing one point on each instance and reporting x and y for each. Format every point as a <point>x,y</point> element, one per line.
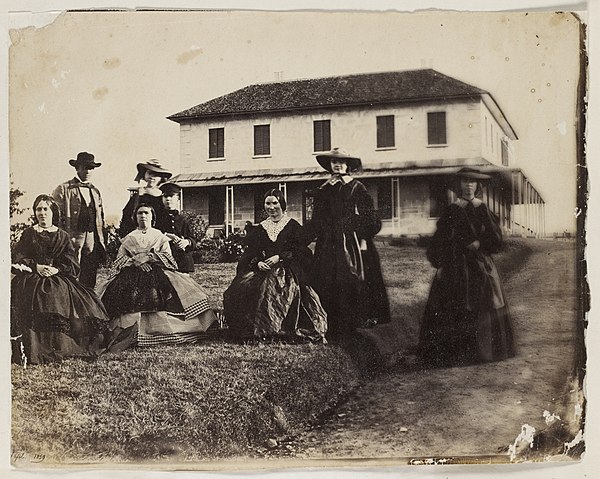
<point>53,317</point>
<point>279,302</point>
<point>160,306</point>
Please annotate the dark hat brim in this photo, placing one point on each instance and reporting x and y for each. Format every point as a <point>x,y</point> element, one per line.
<point>354,164</point>
<point>472,174</point>
<point>143,167</point>
<point>92,164</point>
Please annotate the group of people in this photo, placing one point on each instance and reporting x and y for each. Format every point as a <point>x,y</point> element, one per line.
<point>149,298</point>
<point>281,288</point>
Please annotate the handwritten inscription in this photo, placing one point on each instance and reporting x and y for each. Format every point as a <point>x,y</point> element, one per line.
<point>22,456</point>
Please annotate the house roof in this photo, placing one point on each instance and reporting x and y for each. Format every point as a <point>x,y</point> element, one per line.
<point>336,91</point>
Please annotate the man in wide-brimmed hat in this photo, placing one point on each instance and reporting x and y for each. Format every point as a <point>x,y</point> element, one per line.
<point>82,216</point>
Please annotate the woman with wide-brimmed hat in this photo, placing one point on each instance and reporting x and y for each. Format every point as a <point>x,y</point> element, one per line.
<point>346,272</point>
<point>153,174</point>
<point>466,319</point>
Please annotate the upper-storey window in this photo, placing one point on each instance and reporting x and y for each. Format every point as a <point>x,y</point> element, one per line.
<point>216,143</point>
<point>262,140</point>
<point>322,135</point>
<point>385,131</point>
<point>504,144</point>
<point>436,128</point>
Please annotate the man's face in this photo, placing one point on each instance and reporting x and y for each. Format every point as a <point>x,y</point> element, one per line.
<point>171,202</point>
<point>84,173</point>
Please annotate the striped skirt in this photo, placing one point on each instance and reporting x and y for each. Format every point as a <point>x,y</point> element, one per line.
<point>181,318</point>
<point>273,304</point>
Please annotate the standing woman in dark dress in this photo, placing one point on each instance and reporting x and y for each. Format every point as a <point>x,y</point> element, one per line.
<point>269,296</point>
<point>53,315</point>
<point>346,272</point>
<point>153,174</point>
<point>466,319</point>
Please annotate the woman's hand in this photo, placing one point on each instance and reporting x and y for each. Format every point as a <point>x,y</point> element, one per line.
<point>272,261</point>
<point>141,258</point>
<point>263,266</point>
<point>46,270</point>
<point>474,246</point>
<point>145,267</point>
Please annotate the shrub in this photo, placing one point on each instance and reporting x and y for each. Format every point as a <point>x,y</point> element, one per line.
<point>112,244</point>
<point>207,251</point>
<point>232,247</point>
<point>197,225</point>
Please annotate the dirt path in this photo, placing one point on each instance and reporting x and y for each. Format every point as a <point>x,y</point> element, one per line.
<point>477,410</point>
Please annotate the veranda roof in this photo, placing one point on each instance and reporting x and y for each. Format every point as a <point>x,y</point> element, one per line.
<point>370,170</point>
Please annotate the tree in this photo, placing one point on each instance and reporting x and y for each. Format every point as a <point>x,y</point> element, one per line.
<point>16,227</point>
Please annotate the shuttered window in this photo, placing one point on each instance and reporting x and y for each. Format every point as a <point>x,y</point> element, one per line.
<point>322,135</point>
<point>436,128</point>
<point>216,143</point>
<point>262,140</point>
<point>385,131</point>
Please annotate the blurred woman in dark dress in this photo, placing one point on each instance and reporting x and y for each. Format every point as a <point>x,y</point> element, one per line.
<point>53,315</point>
<point>346,272</point>
<point>269,296</point>
<point>153,174</point>
<point>466,319</point>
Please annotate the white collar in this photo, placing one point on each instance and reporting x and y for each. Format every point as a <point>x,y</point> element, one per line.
<point>345,178</point>
<point>272,228</point>
<point>144,190</point>
<point>78,181</point>
<point>39,229</point>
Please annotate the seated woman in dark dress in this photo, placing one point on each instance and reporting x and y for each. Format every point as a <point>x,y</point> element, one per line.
<point>53,315</point>
<point>466,319</point>
<point>153,174</point>
<point>269,296</point>
<point>148,301</point>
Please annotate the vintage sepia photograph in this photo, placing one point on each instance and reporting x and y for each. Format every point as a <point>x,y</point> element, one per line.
<point>248,240</point>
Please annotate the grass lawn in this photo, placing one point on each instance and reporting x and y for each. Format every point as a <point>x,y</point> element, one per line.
<point>182,403</point>
<point>207,401</point>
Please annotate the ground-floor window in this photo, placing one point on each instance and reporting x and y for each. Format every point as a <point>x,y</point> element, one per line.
<point>216,205</point>
<point>384,198</point>
<point>438,197</point>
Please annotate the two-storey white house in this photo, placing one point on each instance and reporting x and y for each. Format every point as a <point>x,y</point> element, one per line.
<point>412,129</point>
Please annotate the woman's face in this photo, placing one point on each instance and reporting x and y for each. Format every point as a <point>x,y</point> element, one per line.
<point>43,214</point>
<point>468,187</point>
<point>152,179</point>
<point>144,217</point>
<point>339,166</point>
<point>273,208</point>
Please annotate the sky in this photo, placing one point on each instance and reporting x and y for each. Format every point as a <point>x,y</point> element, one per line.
<point>104,82</point>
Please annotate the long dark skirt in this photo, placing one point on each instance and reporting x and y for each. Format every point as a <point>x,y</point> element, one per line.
<point>55,318</point>
<point>453,336</point>
<point>134,290</point>
<point>273,304</point>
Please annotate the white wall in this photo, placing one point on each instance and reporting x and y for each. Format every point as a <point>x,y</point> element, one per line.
<point>491,138</point>
<point>354,130</point>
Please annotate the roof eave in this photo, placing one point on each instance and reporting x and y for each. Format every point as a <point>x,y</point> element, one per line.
<point>204,117</point>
